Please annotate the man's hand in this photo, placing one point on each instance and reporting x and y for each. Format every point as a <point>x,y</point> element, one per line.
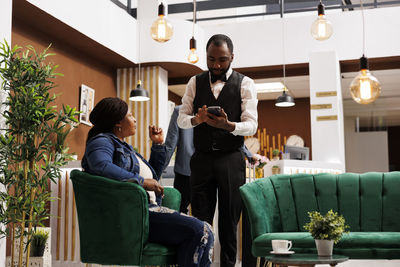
<point>153,185</point>
<point>156,134</point>
<point>221,121</point>
<point>201,116</point>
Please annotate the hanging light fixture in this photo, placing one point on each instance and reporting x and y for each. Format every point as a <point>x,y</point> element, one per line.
<point>284,100</point>
<point>321,28</point>
<point>139,94</point>
<point>193,57</point>
<point>364,88</point>
<point>161,30</point>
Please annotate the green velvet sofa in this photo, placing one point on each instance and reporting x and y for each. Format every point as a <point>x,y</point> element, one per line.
<point>277,208</point>
<point>113,222</point>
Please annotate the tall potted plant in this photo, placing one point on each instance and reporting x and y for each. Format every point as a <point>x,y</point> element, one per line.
<point>32,142</point>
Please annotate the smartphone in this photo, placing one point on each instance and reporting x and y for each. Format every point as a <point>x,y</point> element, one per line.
<point>216,110</point>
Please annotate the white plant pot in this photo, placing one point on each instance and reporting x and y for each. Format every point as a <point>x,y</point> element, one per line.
<point>44,261</point>
<point>324,247</point>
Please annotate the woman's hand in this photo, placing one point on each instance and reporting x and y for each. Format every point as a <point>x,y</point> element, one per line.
<point>153,185</point>
<point>156,134</point>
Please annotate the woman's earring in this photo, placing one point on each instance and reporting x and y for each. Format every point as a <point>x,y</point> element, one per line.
<point>119,129</point>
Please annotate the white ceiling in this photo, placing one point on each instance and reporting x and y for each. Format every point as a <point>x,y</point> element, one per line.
<point>385,111</point>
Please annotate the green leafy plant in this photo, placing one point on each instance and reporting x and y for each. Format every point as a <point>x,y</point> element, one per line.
<point>32,141</point>
<point>275,153</point>
<point>39,239</point>
<point>328,227</point>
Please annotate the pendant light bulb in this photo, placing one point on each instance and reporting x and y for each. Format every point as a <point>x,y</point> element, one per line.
<point>193,57</point>
<point>365,88</point>
<point>161,30</point>
<point>321,28</point>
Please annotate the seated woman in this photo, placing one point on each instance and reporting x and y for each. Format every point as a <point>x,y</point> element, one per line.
<point>108,155</point>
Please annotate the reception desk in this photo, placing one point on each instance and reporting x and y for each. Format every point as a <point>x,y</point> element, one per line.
<point>290,166</point>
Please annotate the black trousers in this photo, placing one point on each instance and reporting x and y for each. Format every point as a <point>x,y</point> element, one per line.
<point>219,173</point>
<point>182,184</point>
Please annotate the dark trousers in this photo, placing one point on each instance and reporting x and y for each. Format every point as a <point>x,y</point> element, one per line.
<point>194,239</point>
<point>182,184</point>
<point>219,173</point>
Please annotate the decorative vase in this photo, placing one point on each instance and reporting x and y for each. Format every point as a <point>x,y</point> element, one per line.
<point>259,172</point>
<point>324,247</point>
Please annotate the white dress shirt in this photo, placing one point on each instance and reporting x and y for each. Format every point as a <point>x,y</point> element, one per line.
<point>248,119</point>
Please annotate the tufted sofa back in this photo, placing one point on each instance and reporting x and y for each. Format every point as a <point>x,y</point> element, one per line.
<point>369,202</point>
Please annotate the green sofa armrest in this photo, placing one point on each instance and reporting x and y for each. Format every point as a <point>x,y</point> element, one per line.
<point>171,199</point>
<point>261,207</point>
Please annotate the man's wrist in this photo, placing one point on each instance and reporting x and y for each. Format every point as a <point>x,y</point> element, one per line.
<point>230,126</point>
<point>194,121</point>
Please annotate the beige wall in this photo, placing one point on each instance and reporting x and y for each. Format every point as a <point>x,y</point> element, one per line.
<point>365,151</point>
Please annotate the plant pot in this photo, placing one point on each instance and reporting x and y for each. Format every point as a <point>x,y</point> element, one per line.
<point>276,170</point>
<point>37,251</point>
<point>324,247</point>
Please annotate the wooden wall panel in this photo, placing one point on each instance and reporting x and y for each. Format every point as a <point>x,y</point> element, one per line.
<point>286,121</point>
<point>77,68</point>
<point>145,113</point>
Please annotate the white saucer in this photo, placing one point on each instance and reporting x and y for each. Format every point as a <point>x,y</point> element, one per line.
<point>282,253</point>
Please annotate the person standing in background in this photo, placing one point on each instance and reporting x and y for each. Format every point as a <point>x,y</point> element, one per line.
<point>182,140</point>
<point>218,163</point>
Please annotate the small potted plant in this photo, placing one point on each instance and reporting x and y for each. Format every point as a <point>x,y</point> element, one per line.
<point>275,154</point>
<point>276,169</point>
<point>39,239</point>
<point>326,230</point>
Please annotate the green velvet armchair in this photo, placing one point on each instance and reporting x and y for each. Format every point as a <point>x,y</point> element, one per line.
<point>114,222</point>
<point>277,208</point>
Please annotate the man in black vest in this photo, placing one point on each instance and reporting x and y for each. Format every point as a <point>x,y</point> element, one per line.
<point>218,164</point>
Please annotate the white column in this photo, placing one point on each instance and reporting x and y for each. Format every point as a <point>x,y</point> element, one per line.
<point>5,34</point>
<point>327,132</point>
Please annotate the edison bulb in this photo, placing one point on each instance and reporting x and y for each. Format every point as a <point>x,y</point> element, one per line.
<point>321,29</point>
<point>161,29</point>
<point>193,57</point>
<point>365,88</point>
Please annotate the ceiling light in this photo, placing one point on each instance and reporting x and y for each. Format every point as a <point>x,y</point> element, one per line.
<point>321,29</point>
<point>284,100</point>
<point>139,94</point>
<point>161,30</point>
<point>193,57</point>
<point>364,88</point>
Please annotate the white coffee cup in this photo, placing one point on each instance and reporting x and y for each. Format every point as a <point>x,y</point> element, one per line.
<point>281,246</point>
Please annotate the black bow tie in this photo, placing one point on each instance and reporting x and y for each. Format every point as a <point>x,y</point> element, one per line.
<point>215,78</point>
